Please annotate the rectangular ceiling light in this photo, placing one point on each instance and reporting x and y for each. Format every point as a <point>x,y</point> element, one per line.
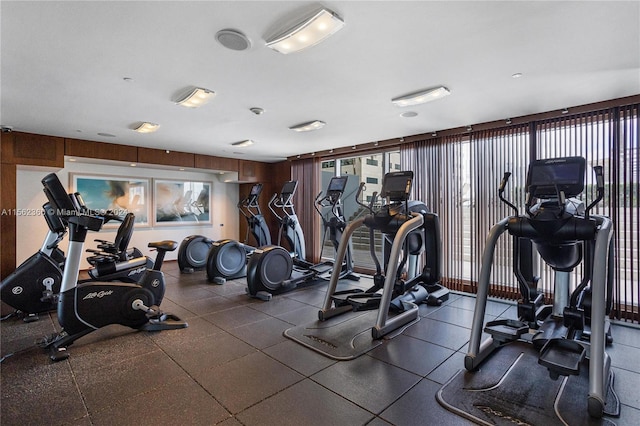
<point>146,127</point>
<point>421,97</point>
<point>307,127</point>
<point>307,33</point>
<point>248,142</point>
<point>196,98</point>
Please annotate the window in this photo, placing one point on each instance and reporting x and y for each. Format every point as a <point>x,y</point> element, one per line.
<point>368,169</point>
<point>458,177</point>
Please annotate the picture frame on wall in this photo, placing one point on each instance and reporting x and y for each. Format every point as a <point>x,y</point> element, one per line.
<point>119,194</point>
<point>181,202</point>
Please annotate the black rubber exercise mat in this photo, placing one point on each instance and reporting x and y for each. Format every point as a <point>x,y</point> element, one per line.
<point>510,388</point>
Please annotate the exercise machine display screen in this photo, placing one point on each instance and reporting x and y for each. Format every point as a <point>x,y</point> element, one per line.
<point>548,177</point>
<point>256,190</point>
<point>289,188</point>
<point>337,184</point>
<point>397,185</point>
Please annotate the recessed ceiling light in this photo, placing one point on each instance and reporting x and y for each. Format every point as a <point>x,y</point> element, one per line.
<point>248,142</point>
<point>195,97</point>
<point>308,126</point>
<point>306,33</point>
<point>146,127</point>
<point>108,135</point>
<point>408,114</point>
<point>516,75</point>
<point>421,96</point>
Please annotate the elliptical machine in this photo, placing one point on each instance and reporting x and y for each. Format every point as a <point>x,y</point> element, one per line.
<point>410,230</point>
<point>274,270</point>
<point>573,332</point>
<point>86,307</point>
<point>227,259</point>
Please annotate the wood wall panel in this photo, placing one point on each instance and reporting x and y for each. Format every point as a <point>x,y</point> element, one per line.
<point>166,157</point>
<point>32,150</point>
<point>101,150</point>
<point>7,219</point>
<point>216,163</point>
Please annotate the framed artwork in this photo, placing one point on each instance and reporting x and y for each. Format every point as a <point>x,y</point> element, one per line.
<point>179,202</point>
<point>119,194</point>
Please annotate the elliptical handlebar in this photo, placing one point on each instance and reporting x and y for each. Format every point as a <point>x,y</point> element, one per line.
<point>599,171</point>
<point>503,184</point>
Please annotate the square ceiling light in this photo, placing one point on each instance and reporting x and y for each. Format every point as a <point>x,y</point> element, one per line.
<point>421,97</point>
<point>196,97</point>
<point>146,127</point>
<point>307,32</point>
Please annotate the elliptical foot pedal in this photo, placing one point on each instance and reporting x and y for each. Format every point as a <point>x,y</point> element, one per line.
<point>187,270</point>
<point>506,330</point>
<point>364,301</point>
<point>219,280</point>
<point>263,295</point>
<point>562,357</point>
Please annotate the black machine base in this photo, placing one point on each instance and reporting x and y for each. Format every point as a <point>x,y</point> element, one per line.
<point>342,337</point>
<point>512,388</point>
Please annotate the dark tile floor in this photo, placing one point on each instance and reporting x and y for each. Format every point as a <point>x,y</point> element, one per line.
<point>233,366</point>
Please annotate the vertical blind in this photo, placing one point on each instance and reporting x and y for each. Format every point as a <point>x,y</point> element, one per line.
<point>458,178</point>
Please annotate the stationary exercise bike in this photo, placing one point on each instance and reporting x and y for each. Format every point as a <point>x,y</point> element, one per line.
<point>352,322</point>
<point>274,270</point>
<point>86,307</point>
<point>571,334</point>
<point>227,259</point>
<point>34,286</point>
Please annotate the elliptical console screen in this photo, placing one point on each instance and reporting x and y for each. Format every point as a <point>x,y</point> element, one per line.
<point>256,190</point>
<point>546,178</point>
<point>289,188</point>
<point>397,185</point>
<point>337,184</point>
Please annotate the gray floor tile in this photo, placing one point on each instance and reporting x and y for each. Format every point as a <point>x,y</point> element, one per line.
<point>624,357</point>
<point>206,352</point>
<point>262,334</point>
<point>302,359</point>
<point>115,383</point>
<point>235,317</point>
<point>34,390</point>
<point>305,403</point>
<point>419,407</point>
<point>441,333</point>
<point>366,381</point>
<point>411,354</point>
<point>447,369</point>
<point>182,402</point>
<point>627,335</point>
<point>246,381</point>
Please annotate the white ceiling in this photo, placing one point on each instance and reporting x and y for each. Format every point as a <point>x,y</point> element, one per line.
<point>64,63</point>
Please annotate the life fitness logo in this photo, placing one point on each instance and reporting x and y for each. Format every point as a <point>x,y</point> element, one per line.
<point>155,283</point>
<point>17,290</point>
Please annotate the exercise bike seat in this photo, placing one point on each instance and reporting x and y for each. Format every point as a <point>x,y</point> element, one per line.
<point>166,245</point>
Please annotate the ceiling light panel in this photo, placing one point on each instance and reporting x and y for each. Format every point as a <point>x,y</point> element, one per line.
<point>146,127</point>
<point>196,97</point>
<point>309,126</point>
<point>307,33</point>
<point>247,142</point>
<point>421,97</point>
